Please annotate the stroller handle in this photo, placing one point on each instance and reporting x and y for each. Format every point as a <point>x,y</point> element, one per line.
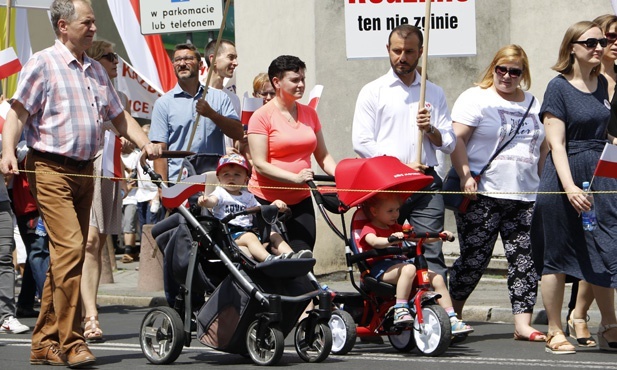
<point>269,211</point>
<point>327,178</point>
<point>155,177</point>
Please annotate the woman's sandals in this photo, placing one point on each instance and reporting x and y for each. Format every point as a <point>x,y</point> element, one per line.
<point>576,334</point>
<point>556,346</point>
<point>92,329</point>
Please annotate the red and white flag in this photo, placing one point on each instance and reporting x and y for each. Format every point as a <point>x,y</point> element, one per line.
<point>607,165</point>
<point>112,151</point>
<point>314,96</point>
<point>9,63</point>
<point>142,93</point>
<point>176,195</point>
<point>147,53</point>
<point>249,106</point>
<point>4,110</point>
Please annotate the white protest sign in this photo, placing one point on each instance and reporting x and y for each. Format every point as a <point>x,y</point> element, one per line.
<point>369,22</point>
<point>140,92</point>
<point>171,16</point>
<point>32,4</point>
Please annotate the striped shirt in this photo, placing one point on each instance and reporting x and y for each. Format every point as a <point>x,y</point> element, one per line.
<point>68,102</point>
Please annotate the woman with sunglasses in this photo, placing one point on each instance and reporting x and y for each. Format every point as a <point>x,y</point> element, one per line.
<point>485,118</point>
<point>106,210</point>
<point>575,113</point>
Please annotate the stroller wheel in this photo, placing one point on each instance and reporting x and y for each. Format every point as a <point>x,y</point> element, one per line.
<point>317,349</point>
<point>403,342</point>
<point>343,332</point>
<point>269,350</point>
<point>161,335</point>
<point>433,337</point>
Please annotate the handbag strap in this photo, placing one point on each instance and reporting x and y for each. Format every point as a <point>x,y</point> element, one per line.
<point>533,98</point>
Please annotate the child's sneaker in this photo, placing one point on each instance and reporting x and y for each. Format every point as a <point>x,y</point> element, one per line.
<point>272,257</point>
<point>459,326</point>
<point>402,316</point>
<point>305,253</point>
<point>12,326</point>
<point>287,256</point>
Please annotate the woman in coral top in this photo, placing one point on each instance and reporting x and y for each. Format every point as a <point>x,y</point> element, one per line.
<point>282,135</point>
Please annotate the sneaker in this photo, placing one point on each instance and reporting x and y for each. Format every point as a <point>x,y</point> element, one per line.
<point>12,326</point>
<point>272,257</point>
<point>459,326</point>
<point>289,255</point>
<point>402,316</point>
<point>305,253</point>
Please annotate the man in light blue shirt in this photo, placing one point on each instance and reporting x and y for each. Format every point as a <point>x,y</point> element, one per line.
<point>174,114</point>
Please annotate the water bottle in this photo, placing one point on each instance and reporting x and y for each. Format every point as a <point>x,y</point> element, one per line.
<point>589,217</point>
<point>155,204</point>
<point>40,228</point>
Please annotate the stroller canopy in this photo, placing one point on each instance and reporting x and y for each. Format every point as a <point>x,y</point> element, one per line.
<point>358,179</point>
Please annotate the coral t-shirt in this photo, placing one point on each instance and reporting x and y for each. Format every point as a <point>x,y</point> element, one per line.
<point>290,146</point>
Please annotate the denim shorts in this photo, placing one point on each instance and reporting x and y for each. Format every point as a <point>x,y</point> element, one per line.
<point>380,267</point>
<point>237,234</point>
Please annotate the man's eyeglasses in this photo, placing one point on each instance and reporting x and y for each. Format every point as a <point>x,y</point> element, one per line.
<point>611,36</point>
<point>112,57</point>
<point>266,94</point>
<point>187,60</point>
<point>513,72</point>
<point>592,42</point>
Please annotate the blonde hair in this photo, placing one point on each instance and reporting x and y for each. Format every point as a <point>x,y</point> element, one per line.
<point>259,82</point>
<point>376,200</point>
<point>605,21</point>
<point>508,54</point>
<point>97,49</point>
<point>565,59</point>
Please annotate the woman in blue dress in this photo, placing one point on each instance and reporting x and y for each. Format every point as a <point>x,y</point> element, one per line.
<point>575,113</point>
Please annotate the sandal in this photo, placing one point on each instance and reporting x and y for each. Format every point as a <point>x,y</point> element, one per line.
<point>535,336</point>
<point>92,329</point>
<point>605,345</point>
<point>402,316</point>
<point>582,342</point>
<point>459,326</point>
<point>558,347</point>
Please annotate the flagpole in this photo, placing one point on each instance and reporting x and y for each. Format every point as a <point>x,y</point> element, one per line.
<point>7,41</point>
<point>203,97</point>
<point>427,24</point>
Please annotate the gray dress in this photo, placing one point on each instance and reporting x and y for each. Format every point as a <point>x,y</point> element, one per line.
<point>560,245</point>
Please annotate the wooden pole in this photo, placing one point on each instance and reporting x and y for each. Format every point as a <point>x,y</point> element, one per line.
<point>427,27</point>
<point>216,48</point>
<point>7,41</point>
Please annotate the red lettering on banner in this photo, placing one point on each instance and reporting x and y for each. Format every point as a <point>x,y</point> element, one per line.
<point>402,1</point>
<point>139,106</point>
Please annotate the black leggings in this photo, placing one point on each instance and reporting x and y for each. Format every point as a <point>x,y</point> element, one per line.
<point>301,227</point>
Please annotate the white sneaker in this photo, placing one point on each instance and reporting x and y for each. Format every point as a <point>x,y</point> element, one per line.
<point>12,326</point>
<point>305,253</point>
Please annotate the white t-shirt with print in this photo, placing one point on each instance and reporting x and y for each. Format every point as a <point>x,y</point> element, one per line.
<point>234,203</point>
<point>495,120</point>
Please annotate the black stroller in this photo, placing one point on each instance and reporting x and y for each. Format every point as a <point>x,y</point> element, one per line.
<point>251,307</point>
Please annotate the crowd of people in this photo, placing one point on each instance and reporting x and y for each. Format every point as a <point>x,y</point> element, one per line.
<point>65,101</point>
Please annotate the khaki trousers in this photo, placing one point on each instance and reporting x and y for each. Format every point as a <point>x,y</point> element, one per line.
<point>64,202</point>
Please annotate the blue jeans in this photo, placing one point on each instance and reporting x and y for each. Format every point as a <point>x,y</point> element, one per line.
<point>35,270</point>
<point>146,217</point>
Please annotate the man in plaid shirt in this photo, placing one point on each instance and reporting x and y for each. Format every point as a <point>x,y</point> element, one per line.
<point>61,101</point>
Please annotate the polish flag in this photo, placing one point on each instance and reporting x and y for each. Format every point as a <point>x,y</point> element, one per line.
<point>314,96</point>
<point>20,40</point>
<point>112,161</point>
<point>9,63</point>
<point>249,106</point>
<point>607,165</point>
<point>4,110</point>
<point>176,195</point>
<point>147,53</point>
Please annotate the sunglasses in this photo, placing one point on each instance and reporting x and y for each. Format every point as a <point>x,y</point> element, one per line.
<point>513,72</point>
<point>592,42</point>
<point>112,57</point>
<point>611,36</point>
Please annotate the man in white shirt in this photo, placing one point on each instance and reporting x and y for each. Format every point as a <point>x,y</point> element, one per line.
<point>386,122</point>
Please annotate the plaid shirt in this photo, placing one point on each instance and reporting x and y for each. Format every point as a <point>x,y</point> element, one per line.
<point>67,102</point>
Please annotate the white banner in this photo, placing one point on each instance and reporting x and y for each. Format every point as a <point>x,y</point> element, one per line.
<point>141,93</point>
<point>165,16</point>
<point>369,22</point>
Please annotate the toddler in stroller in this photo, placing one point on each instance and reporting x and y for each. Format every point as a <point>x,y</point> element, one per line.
<point>251,306</point>
<point>382,231</point>
<point>230,196</point>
